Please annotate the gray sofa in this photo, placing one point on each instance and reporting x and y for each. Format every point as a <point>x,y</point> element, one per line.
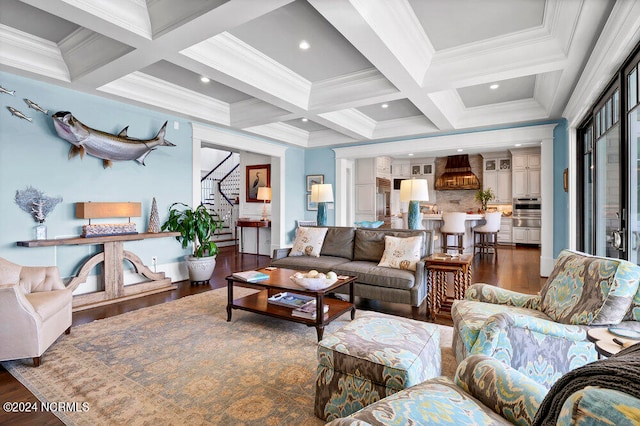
<point>357,251</point>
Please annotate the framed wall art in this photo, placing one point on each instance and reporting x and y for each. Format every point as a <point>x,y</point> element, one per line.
<point>314,180</point>
<point>257,176</point>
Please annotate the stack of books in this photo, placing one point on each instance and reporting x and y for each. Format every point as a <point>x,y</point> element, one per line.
<point>308,310</point>
<point>250,276</point>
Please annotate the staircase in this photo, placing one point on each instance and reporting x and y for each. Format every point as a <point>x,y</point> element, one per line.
<point>220,188</point>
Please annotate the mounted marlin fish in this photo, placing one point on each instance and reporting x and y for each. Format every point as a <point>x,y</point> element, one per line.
<point>104,145</point>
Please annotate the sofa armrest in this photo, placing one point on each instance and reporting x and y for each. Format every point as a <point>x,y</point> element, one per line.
<point>16,306</point>
<point>508,392</point>
<point>543,349</point>
<point>593,405</point>
<point>499,296</point>
<point>280,253</point>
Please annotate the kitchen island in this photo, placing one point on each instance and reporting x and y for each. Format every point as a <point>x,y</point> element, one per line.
<point>434,222</point>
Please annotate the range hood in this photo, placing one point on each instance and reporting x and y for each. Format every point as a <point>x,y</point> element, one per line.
<point>457,175</point>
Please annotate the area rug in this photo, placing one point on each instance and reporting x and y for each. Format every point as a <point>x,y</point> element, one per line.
<point>182,363</point>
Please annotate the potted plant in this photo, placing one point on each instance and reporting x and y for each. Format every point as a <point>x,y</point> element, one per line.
<point>484,197</point>
<point>196,226</point>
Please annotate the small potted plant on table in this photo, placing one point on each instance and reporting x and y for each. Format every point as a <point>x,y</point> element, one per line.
<point>196,226</point>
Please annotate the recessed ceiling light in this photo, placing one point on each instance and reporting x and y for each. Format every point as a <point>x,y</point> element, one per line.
<point>494,86</point>
<point>410,155</point>
<point>204,79</point>
<point>460,149</point>
<point>518,144</point>
<point>304,45</point>
<point>305,119</point>
<point>384,105</point>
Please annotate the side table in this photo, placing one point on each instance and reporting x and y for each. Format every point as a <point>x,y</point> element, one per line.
<point>608,343</point>
<point>437,266</point>
<point>257,224</point>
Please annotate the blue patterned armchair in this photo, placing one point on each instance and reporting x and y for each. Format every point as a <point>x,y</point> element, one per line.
<point>545,335</point>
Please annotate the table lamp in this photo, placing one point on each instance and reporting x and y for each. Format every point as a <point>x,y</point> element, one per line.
<point>322,194</point>
<point>414,191</point>
<point>264,194</point>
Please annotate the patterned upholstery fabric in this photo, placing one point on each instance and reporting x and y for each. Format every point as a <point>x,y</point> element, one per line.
<point>485,392</point>
<point>372,357</point>
<point>589,290</point>
<point>401,253</point>
<point>594,405</point>
<point>469,317</point>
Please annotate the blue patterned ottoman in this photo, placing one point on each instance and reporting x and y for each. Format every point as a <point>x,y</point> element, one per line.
<point>374,356</point>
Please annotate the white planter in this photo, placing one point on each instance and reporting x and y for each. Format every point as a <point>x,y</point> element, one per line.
<point>200,268</point>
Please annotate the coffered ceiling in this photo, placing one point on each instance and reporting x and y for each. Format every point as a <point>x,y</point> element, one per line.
<point>374,69</point>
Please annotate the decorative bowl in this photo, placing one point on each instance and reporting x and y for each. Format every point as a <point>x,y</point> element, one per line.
<point>313,283</point>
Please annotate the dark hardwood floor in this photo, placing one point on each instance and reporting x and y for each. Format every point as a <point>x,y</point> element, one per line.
<point>516,268</point>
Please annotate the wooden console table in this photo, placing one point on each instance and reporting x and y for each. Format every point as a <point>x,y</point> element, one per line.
<point>251,224</point>
<point>112,255</point>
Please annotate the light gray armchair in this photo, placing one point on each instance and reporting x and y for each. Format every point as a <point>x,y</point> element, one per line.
<point>35,309</point>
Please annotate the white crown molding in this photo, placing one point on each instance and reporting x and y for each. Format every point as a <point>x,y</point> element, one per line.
<point>546,89</point>
<point>619,36</point>
<point>130,15</point>
<point>282,132</point>
<point>346,91</point>
<point>504,60</point>
<point>154,91</point>
<point>403,127</point>
<point>433,146</point>
<point>84,50</point>
<point>502,113</point>
<point>233,57</point>
<point>400,30</point>
<point>236,141</point>
<point>353,120</point>
<point>33,54</point>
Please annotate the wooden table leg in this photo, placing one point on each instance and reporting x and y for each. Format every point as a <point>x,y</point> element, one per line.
<point>229,298</point>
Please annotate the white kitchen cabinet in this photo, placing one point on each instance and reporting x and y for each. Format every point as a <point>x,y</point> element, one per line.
<point>365,189</point>
<point>496,174</point>
<point>526,235</point>
<point>383,167</point>
<point>401,169</point>
<point>504,236</point>
<point>526,174</point>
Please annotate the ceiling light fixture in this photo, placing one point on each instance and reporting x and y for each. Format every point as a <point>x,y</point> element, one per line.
<point>305,119</point>
<point>494,86</point>
<point>410,155</point>
<point>460,150</point>
<point>384,105</point>
<point>304,45</point>
<point>204,79</point>
<point>518,144</point>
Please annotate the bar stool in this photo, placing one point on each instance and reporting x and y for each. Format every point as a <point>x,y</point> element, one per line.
<point>487,234</point>
<point>454,226</point>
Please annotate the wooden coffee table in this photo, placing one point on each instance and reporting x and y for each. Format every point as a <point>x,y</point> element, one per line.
<point>279,282</point>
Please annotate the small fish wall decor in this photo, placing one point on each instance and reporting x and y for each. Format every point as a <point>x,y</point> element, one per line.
<point>17,113</point>
<point>7,91</point>
<point>35,106</point>
<point>103,145</point>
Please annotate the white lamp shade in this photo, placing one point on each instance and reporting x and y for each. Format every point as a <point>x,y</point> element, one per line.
<point>264,193</point>
<point>322,193</point>
<point>414,190</point>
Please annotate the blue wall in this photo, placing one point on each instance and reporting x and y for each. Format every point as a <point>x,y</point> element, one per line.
<point>31,154</point>
<point>321,161</point>
<point>560,197</point>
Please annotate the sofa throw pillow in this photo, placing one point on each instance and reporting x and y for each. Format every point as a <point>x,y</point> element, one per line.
<point>401,253</point>
<point>589,290</point>
<point>308,242</point>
